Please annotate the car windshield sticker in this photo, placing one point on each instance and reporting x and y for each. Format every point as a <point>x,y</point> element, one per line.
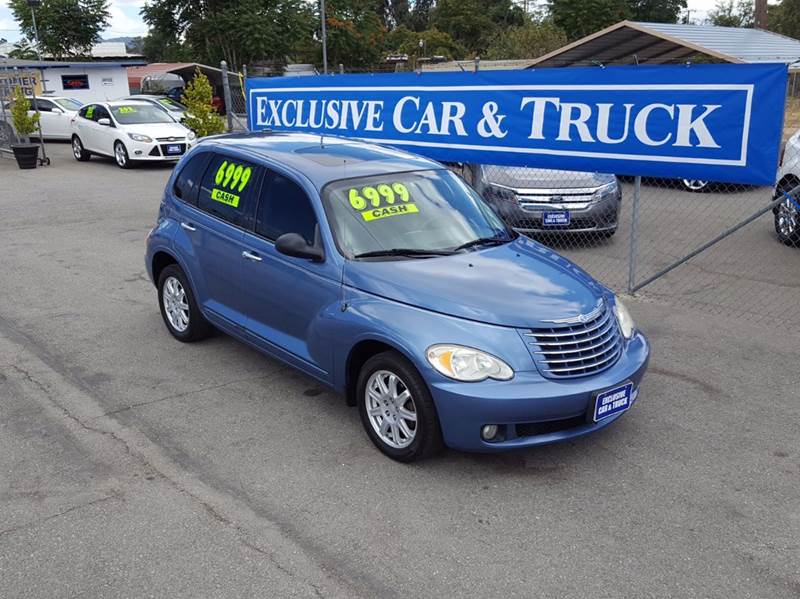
<point>234,177</point>
<point>126,109</point>
<point>381,201</point>
<point>89,112</point>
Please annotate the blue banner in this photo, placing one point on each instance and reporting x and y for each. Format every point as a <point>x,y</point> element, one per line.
<point>719,122</point>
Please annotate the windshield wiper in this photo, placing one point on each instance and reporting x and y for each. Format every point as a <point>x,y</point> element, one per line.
<point>481,241</point>
<point>404,252</point>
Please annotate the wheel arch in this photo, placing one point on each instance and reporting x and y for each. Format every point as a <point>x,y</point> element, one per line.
<point>160,260</point>
<point>362,351</point>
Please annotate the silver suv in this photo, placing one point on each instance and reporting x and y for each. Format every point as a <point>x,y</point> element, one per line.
<point>534,200</point>
<point>787,213</point>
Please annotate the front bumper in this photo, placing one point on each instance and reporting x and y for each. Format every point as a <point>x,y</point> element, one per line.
<point>530,409</point>
<point>598,216</point>
<point>156,151</point>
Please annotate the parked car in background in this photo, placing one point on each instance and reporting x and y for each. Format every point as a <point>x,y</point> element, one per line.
<point>129,131</point>
<point>172,107</point>
<point>787,213</point>
<point>535,200</point>
<point>386,277</point>
<point>56,113</point>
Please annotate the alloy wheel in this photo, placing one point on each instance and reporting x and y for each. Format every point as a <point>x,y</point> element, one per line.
<point>391,409</point>
<point>120,154</point>
<point>695,184</point>
<point>788,217</point>
<point>77,147</point>
<point>176,304</point>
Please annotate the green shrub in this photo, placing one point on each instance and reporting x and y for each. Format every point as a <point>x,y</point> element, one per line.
<point>24,123</point>
<point>201,116</point>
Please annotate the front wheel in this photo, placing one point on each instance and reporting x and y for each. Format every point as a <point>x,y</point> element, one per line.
<point>80,154</point>
<point>397,409</point>
<point>787,223</point>
<point>121,155</point>
<point>178,306</point>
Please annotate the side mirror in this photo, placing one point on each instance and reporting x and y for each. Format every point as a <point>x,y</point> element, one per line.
<point>293,244</point>
<point>104,121</point>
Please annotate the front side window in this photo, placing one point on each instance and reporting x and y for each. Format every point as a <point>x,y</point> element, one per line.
<point>138,114</point>
<point>100,112</point>
<point>87,112</point>
<point>228,189</point>
<point>285,208</point>
<point>186,185</point>
<point>421,211</point>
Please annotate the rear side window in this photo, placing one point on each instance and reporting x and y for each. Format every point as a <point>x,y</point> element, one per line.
<point>187,183</point>
<point>228,189</point>
<point>285,208</point>
<point>87,112</point>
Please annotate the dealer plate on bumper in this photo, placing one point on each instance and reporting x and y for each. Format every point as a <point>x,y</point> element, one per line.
<point>613,401</point>
<point>554,218</point>
<point>174,149</point>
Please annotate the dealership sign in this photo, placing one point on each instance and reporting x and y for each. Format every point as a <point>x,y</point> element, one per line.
<point>716,122</point>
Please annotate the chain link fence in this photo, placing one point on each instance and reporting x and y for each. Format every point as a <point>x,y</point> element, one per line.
<point>724,248</point>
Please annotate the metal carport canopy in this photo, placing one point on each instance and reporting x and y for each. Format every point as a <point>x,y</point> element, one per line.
<point>659,43</point>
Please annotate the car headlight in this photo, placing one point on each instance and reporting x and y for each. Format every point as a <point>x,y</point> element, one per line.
<point>605,190</point>
<point>467,364</point>
<point>138,137</point>
<point>624,318</point>
<point>191,136</point>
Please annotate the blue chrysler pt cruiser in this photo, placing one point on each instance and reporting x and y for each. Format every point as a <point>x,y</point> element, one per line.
<point>385,276</point>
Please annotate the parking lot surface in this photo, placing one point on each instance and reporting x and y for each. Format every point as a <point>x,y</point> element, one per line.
<point>132,465</point>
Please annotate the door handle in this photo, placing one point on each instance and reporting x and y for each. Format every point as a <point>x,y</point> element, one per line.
<point>251,256</point>
<point>188,227</point>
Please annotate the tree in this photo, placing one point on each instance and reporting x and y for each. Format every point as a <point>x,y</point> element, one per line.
<point>728,13</point>
<point>237,31</point>
<point>23,50</point>
<point>420,15</point>
<point>578,18</point>
<point>435,43</point>
<point>67,28</point>
<point>355,33</point>
<point>785,18</point>
<point>201,116</point>
<point>25,124</point>
<point>656,11</point>
<point>528,41</point>
<point>474,23</point>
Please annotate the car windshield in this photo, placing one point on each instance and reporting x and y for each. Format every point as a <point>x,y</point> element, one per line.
<point>409,214</point>
<point>171,104</point>
<point>140,113</point>
<point>68,103</point>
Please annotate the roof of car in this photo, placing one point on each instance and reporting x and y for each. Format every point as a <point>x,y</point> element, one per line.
<point>323,159</point>
<point>123,102</point>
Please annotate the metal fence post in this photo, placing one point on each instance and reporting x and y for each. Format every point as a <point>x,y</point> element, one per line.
<point>637,190</point>
<point>226,88</point>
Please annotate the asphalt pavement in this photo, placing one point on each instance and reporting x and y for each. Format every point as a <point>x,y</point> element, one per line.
<point>135,466</point>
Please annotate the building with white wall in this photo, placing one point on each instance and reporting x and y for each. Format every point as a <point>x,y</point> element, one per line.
<point>85,81</point>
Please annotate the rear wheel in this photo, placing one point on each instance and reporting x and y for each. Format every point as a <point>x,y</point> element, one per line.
<point>78,151</point>
<point>121,155</point>
<point>397,409</point>
<point>787,222</point>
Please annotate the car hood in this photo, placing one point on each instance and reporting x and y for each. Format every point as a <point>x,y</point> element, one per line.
<point>540,178</point>
<point>157,129</point>
<point>518,284</point>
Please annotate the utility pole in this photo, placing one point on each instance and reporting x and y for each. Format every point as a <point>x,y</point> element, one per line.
<point>760,16</point>
<point>324,38</point>
<point>33,4</point>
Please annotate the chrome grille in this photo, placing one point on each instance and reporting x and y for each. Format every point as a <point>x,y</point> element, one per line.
<point>577,349</point>
<point>175,139</point>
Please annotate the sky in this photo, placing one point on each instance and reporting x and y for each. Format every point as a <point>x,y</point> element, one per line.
<point>126,21</point>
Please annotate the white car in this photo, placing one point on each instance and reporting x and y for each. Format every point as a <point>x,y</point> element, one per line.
<point>787,213</point>
<point>55,115</point>
<point>129,132</point>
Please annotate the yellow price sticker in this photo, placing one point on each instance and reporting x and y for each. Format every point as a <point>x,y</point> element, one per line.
<point>126,109</point>
<point>231,175</point>
<point>374,196</point>
<point>387,211</point>
<point>226,197</point>
<point>89,112</point>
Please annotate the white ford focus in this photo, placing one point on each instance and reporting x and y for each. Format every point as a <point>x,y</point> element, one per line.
<point>130,132</point>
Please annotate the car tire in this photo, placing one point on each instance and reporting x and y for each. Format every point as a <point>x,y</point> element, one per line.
<point>178,307</point>
<point>695,185</point>
<point>80,154</point>
<point>397,409</point>
<point>787,220</point>
<point>121,155</point>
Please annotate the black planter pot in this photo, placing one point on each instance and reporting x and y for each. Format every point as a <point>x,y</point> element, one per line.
<point>26,154</point>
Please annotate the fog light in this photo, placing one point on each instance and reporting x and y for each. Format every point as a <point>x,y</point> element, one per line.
<point>489,432</point>
<point>137,152</point>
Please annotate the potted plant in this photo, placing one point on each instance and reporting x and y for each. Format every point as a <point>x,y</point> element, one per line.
<point>26,153</point>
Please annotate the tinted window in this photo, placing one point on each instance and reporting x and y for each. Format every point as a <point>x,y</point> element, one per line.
<point>44,105</point>
<point>87,111</point>
<point>228,189</point>
<point>187,182</point>
<point>100,113</point>
<point>285,208</point>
